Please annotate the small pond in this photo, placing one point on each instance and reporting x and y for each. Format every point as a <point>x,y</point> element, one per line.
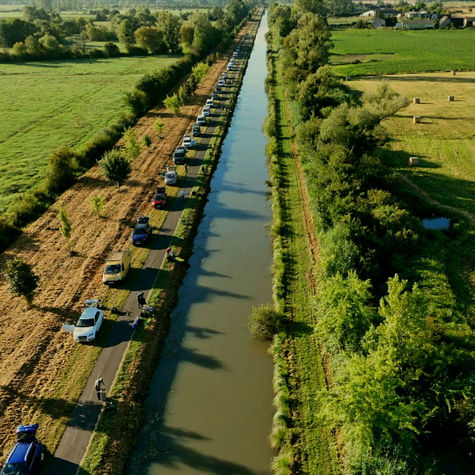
<point>436,223</point>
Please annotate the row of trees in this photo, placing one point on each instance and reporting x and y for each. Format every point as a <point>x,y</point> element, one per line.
<point>386,314</point>
<point>43,33</point>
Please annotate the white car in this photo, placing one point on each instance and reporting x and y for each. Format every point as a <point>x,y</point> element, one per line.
<point>88,324</point>
<point>210,102</point>
<point>188,142</point>
<point>201,119</point>
<point>221,82</point>
<point>170,176</point>
<point>206,111</point>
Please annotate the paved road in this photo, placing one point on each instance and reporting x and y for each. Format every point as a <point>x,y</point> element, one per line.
<point>78,433</point>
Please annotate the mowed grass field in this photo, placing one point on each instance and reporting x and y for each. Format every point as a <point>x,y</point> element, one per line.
<point>45,105</point>
<point>395,51</point>
<point>444,140</point>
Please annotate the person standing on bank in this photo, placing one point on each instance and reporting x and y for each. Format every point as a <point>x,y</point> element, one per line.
<point>141,299</point>
<point>100,389</point>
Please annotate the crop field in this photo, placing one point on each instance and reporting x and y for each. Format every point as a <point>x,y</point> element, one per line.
<point>394,51</point>
<point>444,140</point>
<point>49,104</point>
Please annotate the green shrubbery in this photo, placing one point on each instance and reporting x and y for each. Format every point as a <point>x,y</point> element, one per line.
<point>264,322</point>
<point>400,354</point>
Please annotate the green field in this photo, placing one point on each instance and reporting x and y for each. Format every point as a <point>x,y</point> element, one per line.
<point>48,104</point>
<point>395,51</point>
<point>444,141</point>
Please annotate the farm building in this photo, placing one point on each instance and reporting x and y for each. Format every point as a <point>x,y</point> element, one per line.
<point>469,22</point>
<point>445,22</point>
<point>378,22</point>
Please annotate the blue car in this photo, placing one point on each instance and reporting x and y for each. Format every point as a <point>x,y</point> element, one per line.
<point>27,453</point>
<point>142,231</point>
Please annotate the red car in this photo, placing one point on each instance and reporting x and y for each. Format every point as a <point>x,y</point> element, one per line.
<point>160,198</point>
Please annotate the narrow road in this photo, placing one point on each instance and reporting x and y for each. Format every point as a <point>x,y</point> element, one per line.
<point>78,433</point>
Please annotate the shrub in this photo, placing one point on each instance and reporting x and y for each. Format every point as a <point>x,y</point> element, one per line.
<point>264,322</point>
<point>115,167</point>
<point>61,170</point>
<point>97,205</point>
<point>147,141</point>
<point>21,279</point>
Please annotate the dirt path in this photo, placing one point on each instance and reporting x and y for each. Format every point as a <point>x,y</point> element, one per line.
<point>35,354</point>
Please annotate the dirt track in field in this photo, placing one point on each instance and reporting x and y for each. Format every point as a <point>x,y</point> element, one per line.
<point>34,352</point>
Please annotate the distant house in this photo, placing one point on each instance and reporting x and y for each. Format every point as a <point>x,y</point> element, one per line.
<point>417,24</point>
<point>378,22</point>
<point>368,14</point>
<point>457,21</point>
<point>469,22</point>
<point>445,22</point>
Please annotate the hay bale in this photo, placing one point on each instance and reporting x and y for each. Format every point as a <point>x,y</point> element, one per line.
<point>413,161</point>
<point>416,119</point>
<point>416,100</point>
<point>451,98</point>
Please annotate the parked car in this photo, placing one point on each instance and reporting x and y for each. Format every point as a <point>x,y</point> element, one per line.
<point>89,323</point>
<point>221,83</point>
<point>160,198</point>
<point>188,142</point>
<point>218,89</point>
<point>210,102</point>
<point>142,231</point>
<point>201,119</point>
<point>116,267</point>
<point>171,176</point>
<point>206,111</point>
<point>179,155</point>
<point>196,130</point>
<point>27,454</point>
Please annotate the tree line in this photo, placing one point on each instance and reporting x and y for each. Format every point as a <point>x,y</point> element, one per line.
<point>388,312</point>
<point>42,33</point>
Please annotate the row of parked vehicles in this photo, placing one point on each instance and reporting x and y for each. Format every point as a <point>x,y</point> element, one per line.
<point>28,451</point>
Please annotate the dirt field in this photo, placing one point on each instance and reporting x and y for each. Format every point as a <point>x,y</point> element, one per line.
<point>42,368</point>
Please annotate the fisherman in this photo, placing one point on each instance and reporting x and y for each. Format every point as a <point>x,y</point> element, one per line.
<point>100,389</point>
<point>141,299</point>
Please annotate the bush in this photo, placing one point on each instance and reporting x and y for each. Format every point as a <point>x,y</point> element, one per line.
<point>21,279</point>
<point>61,170</point>
<point>264,322</point>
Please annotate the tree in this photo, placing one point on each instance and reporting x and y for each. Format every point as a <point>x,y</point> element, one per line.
<point>264,322</point>
<point>159,125</point>
<point>111,50</point>
<point>33,46</point>
<point>49,42</point>
<point>199,72</point>
<point>132,148</point>
<point>115,166</point>
<point>150,38</point>
<point>61,170</point>
<point>65,227</point>
<point>173,103</point>
<point>21,279</point>
<point>97,205</point>
<point>19,49</point>
<point>170,24</point>
<point>186,35</point>
<point>125,33</point>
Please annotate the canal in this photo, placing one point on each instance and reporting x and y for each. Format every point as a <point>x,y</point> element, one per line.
<point>210,403</point>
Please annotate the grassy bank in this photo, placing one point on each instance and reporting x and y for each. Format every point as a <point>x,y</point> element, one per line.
<point>304,442</point>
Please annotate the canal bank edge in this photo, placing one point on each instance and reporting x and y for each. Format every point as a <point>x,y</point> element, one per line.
<point>111,444</point>
<point>294,253</point>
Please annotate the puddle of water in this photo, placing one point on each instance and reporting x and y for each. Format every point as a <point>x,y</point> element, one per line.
<point>436,223</point>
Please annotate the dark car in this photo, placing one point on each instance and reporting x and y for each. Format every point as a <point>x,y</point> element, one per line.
<point>179,155</point>
<point>160,198</point>
<point>27,453</point>
<point>196,130</point>
<point>142,231</point>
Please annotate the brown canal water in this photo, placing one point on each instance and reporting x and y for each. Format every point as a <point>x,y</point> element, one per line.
<point>210,404</point>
